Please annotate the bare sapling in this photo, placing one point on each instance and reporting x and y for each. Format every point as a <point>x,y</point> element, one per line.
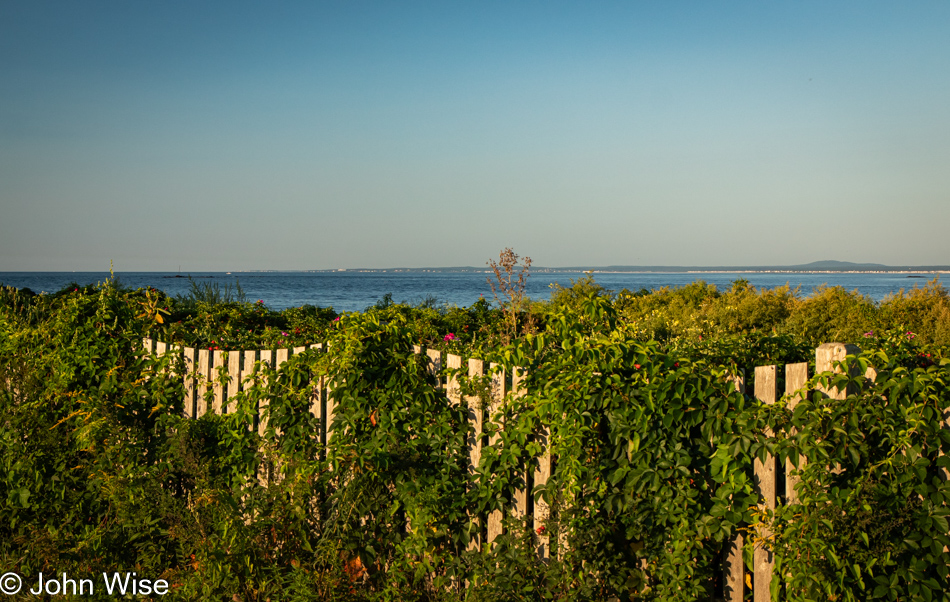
<point>509,288</point>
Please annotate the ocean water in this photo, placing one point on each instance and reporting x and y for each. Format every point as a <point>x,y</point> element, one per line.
<point>354,291</point>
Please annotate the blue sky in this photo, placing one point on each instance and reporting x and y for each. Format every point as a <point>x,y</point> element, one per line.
<point>304,135</point>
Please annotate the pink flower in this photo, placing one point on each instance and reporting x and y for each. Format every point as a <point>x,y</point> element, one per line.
<point>449,337</point>
<point>337,319</point>
<point>283,334</point>
<point>869,333</point>
<point>910,335</point>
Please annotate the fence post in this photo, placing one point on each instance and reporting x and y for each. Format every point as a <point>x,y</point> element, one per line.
<point>766,391</point>
<point>825,357</point>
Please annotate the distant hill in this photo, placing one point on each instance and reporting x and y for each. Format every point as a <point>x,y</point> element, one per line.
<point>830,264</point>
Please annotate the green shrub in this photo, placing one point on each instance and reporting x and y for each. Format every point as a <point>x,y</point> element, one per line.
<point>668,312</point>
<point>924,311</point>
<point>744,310</point>
<point>832,314</point>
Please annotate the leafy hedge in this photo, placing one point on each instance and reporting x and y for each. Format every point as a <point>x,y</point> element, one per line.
<point>651,441</point>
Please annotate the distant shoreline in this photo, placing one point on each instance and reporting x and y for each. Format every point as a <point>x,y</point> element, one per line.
<point>354,290</point>
<point>807,269</point>
<point>815,267</point>
<point>593,270</point>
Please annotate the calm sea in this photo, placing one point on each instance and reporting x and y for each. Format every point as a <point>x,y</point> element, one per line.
<point>354,291</point>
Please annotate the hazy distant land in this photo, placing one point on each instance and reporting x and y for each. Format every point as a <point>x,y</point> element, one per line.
<point>829,266</point>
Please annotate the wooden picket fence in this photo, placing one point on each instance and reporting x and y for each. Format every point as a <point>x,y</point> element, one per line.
<point>204,365</point>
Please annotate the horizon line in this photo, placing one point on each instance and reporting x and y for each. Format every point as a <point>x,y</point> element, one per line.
<point>815,267</point>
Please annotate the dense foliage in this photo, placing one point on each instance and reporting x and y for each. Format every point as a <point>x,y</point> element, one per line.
<point>634,392</point>
<point>696,315</point>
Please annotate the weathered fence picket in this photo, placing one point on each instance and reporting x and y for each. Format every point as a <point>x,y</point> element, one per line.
<point>234,381</point>
<point>202,376</point>
<point>796,375</point>
<point>250,360</point>
<point>766,391</point>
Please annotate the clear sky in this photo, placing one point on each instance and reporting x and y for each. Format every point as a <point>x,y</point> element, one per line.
<point>303,135</point>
